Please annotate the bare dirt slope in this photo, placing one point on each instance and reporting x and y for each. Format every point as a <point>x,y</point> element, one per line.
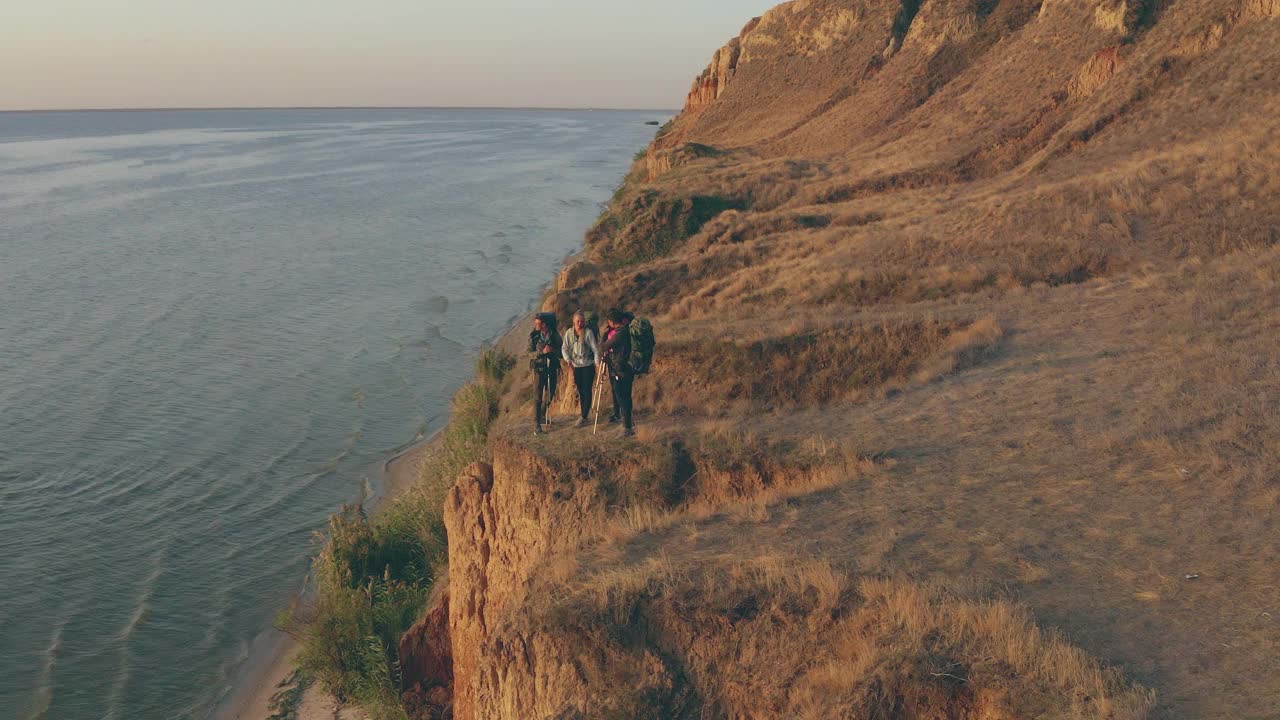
<point>962,307</point>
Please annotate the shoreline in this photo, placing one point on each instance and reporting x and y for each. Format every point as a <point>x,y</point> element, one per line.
<point>269,664</point>
<point>237,108</point>
<point>270,660</point>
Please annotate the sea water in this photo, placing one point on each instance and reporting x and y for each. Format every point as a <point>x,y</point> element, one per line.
<point>214,327</point>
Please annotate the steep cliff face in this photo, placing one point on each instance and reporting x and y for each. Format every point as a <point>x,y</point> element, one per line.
<point>537,635</point>
<point>935,79</point>
<point>547,622</point>
<point>426,657</point>
<point>502,521</point>
<point>708,86</point>
<point>514,527</point>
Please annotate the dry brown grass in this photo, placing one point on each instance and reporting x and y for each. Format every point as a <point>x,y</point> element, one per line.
<point>737,475</point>
<point>962,350</point>
<point>749,369</point>
<point>674,471</point>
<point>836,365</point>
<point>1039,288</point>
<point>778,637</point>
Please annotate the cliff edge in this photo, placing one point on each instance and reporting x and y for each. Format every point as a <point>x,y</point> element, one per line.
<point>964,404</point>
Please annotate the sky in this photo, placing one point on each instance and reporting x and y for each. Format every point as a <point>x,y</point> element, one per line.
<point>63,54</point>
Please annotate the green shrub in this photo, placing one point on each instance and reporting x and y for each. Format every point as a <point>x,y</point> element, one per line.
<point>372,583</point>
<point>493,365</point>
<point>373,575</point>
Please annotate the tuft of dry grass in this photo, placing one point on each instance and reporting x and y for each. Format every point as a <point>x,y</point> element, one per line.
<point>704,376</point>
<point>962,349</point>
<point>784,637</point>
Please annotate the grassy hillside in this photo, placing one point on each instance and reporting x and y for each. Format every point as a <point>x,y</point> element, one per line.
<point>969,322</point>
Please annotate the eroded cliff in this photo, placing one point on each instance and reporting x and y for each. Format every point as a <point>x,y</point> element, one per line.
<point>550,621</point>
<point>516,522</point>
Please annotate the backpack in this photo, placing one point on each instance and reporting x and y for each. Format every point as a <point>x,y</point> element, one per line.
<point>592,319</point>
<point>642,344</point>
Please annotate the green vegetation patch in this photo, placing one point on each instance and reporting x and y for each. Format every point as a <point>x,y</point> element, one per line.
<point>374,574</point>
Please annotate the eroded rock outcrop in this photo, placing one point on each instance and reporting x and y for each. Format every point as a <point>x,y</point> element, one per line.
<point>426,661</point>
<point>518,521</point>
<point>708,86</point>
<point>502,520</point>
<point>1095,73</point>
<point>743,638</point>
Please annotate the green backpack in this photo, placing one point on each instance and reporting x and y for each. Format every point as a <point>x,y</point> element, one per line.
<point>642,344</point>
<point>592,320</point>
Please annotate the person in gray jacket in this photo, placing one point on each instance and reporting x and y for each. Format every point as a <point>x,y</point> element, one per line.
<point>582,351</point>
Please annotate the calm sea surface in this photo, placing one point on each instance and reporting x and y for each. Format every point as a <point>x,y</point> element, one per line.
<point>214,326</point>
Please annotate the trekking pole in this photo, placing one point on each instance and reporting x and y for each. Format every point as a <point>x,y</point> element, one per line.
<point>595,401</point>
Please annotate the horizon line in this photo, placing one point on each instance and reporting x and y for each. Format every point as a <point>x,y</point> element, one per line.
<point>339,107</point>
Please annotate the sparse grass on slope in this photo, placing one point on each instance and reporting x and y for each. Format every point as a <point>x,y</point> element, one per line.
<point>776,637</point>
<point>1099,177</point>
<point>833,365</point>
<point>374,575</point>
<point>825,251</point>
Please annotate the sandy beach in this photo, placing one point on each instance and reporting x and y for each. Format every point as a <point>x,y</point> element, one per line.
<point>270,667</point>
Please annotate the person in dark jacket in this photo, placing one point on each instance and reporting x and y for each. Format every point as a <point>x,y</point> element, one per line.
<point>582,352</point>
<point>544,349</point>
<point>616,351</point>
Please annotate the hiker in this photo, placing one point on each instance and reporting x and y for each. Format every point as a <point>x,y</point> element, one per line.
<point>616,354</point>
<point>545,363</point>
<point>582,352</point>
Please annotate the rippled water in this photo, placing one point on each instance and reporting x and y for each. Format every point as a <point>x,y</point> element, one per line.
<point>214,326</point>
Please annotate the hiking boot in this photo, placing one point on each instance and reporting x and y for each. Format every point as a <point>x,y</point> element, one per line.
<point>582,422</point>
<point>613,419</point>
<point>539,431</point>
<point>629,432</point>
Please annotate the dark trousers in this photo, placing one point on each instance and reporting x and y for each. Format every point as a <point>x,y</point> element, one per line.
<point>544,389</point>
<point>584,378</point>
<point>621,386</point>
